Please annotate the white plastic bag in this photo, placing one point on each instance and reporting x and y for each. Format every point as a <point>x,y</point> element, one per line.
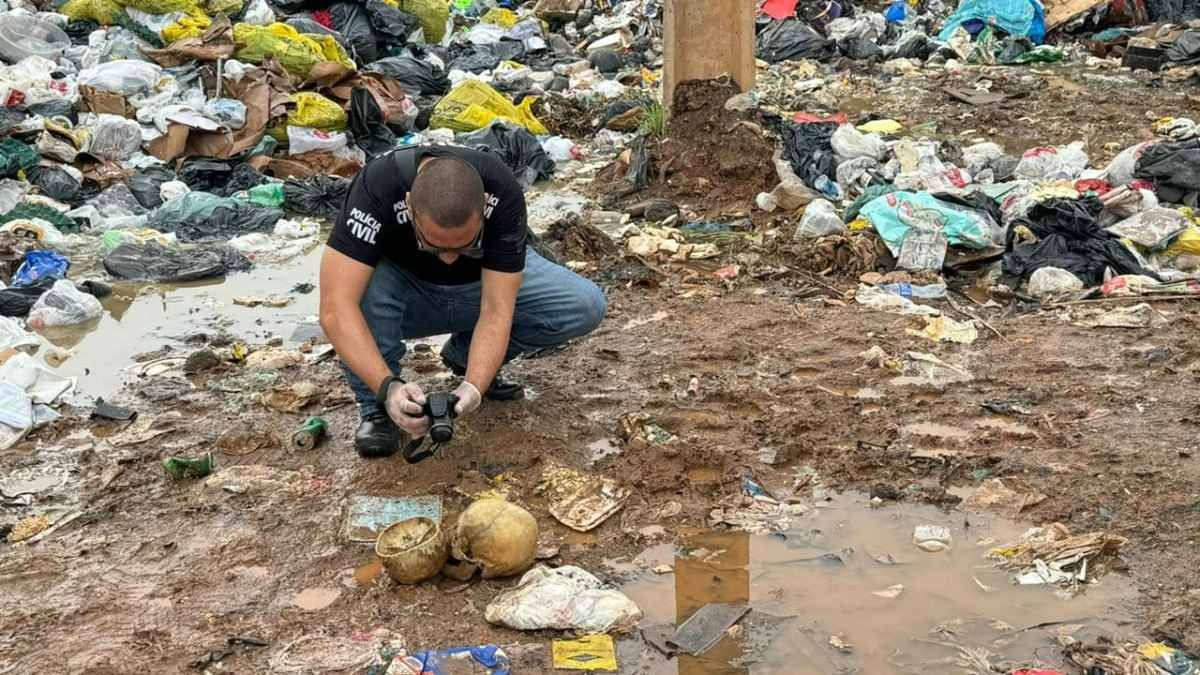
<point>122,77</point>
<point>1064,162</point>
<point>850,143</point>
<point>980,156</point>
<point>820,219</point>
<point>258,13</point>
<point>564,598</point>
<point>63,305</point>
<point>303,139</point>
<point>228,112</point>
<point>1050,281</point>
<point>113,137</point>
<point>30,81</point>
<point>560,149</point>
<point>297,229</point>
<point>173,189</point>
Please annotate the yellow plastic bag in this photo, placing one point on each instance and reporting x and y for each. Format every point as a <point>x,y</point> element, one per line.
<point>226,7</point>
<point>192,25</point>
<point>297,53</point>
<point>884,127</point>
<point>162,6</point>
<point>505,18</point>
<point>316,112</point>
<point>473,105</point>
<point>1186,243</point>
<point>433,15</point>
<point>104,12</point>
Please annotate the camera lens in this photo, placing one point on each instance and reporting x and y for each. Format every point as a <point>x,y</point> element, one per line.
<point>441,433</point>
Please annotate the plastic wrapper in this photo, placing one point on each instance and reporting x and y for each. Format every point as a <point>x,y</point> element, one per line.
<point>316,112</point>
<point>820,219</point>
<point>63,305</point>
<point>114,137</point>
<point>121,77</point>
<point>474,105</point>
<point>153,262</point>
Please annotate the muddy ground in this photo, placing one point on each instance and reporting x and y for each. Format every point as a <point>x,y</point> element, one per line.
<point>155,574</point>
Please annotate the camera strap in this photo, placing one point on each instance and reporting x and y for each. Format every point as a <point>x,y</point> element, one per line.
<point>413,452</point>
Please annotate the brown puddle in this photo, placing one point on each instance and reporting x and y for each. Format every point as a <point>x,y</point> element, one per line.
<point>826,574</point>
<point>934,430</point>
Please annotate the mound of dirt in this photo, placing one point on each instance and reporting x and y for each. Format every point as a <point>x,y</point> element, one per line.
<point>712,160</point>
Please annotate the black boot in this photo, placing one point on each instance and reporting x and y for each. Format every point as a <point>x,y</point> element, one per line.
<point>377,436</point>
<point>501,390</point>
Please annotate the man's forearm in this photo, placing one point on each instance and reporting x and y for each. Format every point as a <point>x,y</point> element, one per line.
<point>488,347</point>
<point>347,330</point>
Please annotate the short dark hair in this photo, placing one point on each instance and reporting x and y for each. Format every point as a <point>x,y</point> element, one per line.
<point>448,191</point>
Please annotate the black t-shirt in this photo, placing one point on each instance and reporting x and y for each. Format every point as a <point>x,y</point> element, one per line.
<point>375,221</point>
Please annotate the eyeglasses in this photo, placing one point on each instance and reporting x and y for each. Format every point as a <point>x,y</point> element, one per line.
<point>474,250</point>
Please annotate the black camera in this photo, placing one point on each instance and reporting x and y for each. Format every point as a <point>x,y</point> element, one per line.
<point>439,408</point>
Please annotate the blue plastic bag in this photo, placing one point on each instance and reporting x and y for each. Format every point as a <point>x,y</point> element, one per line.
<point>1021,18</point>
<point>40,265</point>
<point>896,12</point>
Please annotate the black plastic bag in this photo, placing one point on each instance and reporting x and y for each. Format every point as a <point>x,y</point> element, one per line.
<point>367,127</point>
<point>392,26</point>
<point>913,44</point>
<point>242,178</point>
<point>1069,237</point>
<point>791,39</point>
<point>146,183</point>
<point>54,182</point>
<point>1174,168</point>
<point>206,175</point>
<point>808,148</point>
<point>18,301</point>
<point>861,49</point>
<point>227,222</point>
<point>321,196</point>
<point>80,31</point>
<point>154,262</point>
<point>518,148</point>
<point>416,76</point>
<point>474,59</point>
<point>352,21</point>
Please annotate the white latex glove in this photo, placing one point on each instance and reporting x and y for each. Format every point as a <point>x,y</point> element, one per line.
<point>468,399</point>
<point>404,406</point>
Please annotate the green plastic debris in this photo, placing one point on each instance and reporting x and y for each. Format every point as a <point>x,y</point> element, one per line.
<point>267,194</point>
<point>180,468</point>
<point>16,156</point>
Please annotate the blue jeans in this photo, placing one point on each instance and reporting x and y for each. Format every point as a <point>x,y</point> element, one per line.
<point>553,305</point>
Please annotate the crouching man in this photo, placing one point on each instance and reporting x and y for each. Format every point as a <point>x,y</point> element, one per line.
<point>432,240</point>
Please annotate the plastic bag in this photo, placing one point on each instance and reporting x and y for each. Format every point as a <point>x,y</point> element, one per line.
<point>351,21</point>
<point>316,112</point>
<point>63,305</point>
<point>155,262</point>
<point>392,26</point>
<point>371,133</point>
<point>474,105</point>
<point>1152,229</point>
<point>1065,162</point>
<point>418,77</point>
<point>320,196</point>
<point>1051,281</point>
<point>849,143</point>
<point>111,239</point>
<point>114,138</point>
<point>18,301</point>
<point>117,201</point>
<point>121,77</point>
<point>25,36</point>
<point>103,12</point>
<point>297,229</point>
<point>820,219</point>
<point>297,53</point>
<point>518,148</point>
<point>31,82</point>
<point>16,156</point>
<point>561,149</point>
<point>791,39</point>
<point>923,248</point>
<point>172,190</point>
<point>303,139</point>
<point>893,215</point>
<point>563,598</point>
<point>433,15</point>
<point>258,13</point>
<point>40,265</point>
<point>55,182</point>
